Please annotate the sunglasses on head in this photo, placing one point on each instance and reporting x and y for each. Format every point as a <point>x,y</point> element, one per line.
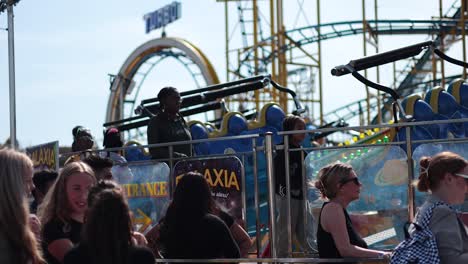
<point>353,179</point>
<point>464,176</point>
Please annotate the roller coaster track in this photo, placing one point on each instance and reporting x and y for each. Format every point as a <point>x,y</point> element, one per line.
<point>350,110</point>
<point>415,72</point>
<point>418,71</point>
<point>410,79</point>
<point>307,35</point>
<point>246,9</point>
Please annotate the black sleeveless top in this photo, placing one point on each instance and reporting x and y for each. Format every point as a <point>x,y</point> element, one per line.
<point>326,244</point>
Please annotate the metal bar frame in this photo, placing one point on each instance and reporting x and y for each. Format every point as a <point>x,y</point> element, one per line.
<point>268,150</point>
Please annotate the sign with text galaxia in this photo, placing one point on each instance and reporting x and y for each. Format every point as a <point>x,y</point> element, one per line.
<point>224,175</point>
<point>44,156</point>
<point>163,16</point>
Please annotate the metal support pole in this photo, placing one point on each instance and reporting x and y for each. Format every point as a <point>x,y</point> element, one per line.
<point>442,67</point>
<point>379,99</point>
<point>274,37</point>
<point>442,47</point>
<point>244,192</point>
<point>121,99</point>
<point>288,193</point>
<point>364,29</point>
<point>282,71</point>
<point>463,35</point>
<point>172,182</point>
<point>409,151</point>
<point>319,46</point>
<point>226,28</point>
<point>11,68</point>
<point>256,197</point>
<point>304,204</point>
<point>271,191</point>
<point>255,46</point>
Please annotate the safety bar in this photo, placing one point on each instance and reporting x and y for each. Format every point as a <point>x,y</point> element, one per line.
<point>450,59</point>
<point>210,96</point>
<point>390,56</point>
<point>212,87</point>
<point>299,110</point>
<point>381,58</point>
<point>144,118</point>
<point>206,96</point>
<point>387,57</point>
<point>234,83</point>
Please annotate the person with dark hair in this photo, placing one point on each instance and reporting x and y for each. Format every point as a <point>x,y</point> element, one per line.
<point>241,237</point>
<point>120,171</point>
<point>296,181</point>
<point>99,187</point>
<point>445,176</point>
<point>189,230</point>
<point>102,167</point>
<point>83,141</point>
<point>169,126</point>
<point>107,233</point>
<point>137,237</point>
<point>336,236</point>
<point>42,180</point>
<point>112,139</point>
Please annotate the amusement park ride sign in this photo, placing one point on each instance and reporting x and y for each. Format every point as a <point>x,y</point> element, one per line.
<point>163,16</point>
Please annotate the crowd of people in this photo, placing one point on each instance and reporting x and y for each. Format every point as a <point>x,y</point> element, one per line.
<point>81,215</point>
<point>86,220</point>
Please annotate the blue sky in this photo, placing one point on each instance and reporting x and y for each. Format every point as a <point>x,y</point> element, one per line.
<point>66,49</point>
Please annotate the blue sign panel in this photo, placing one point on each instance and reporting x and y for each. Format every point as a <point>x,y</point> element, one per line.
<point>163,16</point>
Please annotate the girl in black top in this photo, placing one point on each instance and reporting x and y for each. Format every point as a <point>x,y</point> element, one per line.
<point>63,209</point>
<point>107,233</point>
<point>189,230</point>
<point>336,237</point>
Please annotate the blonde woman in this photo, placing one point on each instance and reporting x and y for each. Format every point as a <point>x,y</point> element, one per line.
<point>17,242</point>
<point>336,236</point>
<point>63,209</point>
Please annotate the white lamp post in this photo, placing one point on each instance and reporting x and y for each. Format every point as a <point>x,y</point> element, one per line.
<point>8,5</point>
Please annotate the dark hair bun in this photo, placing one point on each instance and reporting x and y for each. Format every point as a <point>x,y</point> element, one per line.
<point>423,182</point>
<point>319,186</point>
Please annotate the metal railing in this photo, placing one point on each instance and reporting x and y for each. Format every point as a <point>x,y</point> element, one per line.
<point>268,149</point>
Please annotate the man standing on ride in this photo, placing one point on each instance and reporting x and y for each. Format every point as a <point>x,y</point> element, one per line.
<point>169,126</point>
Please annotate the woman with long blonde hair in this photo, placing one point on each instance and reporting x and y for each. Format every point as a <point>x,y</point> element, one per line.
<point>63,209</point>
<point>17,242</point>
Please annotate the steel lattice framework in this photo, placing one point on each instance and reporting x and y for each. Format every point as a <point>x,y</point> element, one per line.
<point>293,56</point>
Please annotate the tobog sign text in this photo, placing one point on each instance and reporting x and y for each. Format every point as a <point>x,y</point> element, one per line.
<point>163,16</point>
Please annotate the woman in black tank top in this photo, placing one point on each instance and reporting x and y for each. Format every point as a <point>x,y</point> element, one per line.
<point>336,236</point>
